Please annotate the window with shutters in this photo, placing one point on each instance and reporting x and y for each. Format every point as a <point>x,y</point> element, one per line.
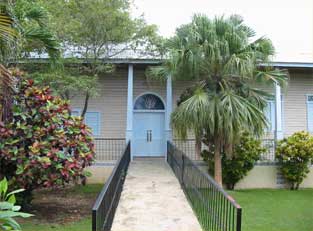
<point>310,112</point>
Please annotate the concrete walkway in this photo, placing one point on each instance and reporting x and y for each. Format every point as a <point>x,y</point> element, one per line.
<point>152,200</point>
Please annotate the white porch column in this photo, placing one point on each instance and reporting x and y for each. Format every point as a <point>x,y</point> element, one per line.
<point>129,126</point>
<point>278,114</point>
<point>169,103</point>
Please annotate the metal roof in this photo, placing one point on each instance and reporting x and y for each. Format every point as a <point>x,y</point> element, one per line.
<point>292,64</point>
<point>142,56</point>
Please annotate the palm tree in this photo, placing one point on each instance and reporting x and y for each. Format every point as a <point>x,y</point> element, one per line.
<point>220,57</point>
<point>28,23</point>
<point>23,28</point>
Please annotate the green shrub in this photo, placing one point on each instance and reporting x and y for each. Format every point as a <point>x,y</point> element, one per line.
<point>294,155</point>
<point>245,154</point>
<point>43,145</point>
<point>8,209</point>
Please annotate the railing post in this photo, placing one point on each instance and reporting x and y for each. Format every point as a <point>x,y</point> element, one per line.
<point>238,228</point>
<point>182,170</point>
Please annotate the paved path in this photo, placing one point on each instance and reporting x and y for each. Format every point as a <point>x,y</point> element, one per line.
<point>152,200</point>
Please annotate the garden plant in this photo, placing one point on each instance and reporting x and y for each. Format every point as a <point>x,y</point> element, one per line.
<point>43,145</point>
<point>8,209</point>
<point>294,155</point>
<point>245,154</point>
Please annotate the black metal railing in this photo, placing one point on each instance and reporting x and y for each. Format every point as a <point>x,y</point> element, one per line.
<point>215,209</point>
<point>269,155</point>
<point>188,148</point>
<point>104,208</point>
<point>109,149</point>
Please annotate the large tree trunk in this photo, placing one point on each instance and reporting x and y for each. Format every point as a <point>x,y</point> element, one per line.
<point>85,105</point>
<point>218,162</point>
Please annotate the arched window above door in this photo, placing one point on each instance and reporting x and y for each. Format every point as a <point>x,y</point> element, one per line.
<point>149,102</point>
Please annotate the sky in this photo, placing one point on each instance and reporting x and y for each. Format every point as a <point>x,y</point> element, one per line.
<point>288,23</point>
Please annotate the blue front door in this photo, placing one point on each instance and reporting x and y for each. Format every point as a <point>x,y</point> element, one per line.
<point>148,135</point>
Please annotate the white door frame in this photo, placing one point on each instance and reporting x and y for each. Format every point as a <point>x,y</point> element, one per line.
<point>130,101</point>
<point>150,111</point>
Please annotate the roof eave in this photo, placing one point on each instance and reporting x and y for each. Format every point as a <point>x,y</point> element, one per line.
<point>159,61</point>
<point>113,61</point>
<point>289,64</point>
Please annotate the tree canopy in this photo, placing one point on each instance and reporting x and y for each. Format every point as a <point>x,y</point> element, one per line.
<point>99,29</point>
<point>90,33</point>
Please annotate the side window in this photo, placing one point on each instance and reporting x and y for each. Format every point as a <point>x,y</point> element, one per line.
<point>270,115</point>
<point>75,112</point>
<point>92,119</point>
<point>310,112</point>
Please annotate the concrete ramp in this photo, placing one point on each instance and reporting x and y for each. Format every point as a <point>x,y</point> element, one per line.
<point>152,200</point>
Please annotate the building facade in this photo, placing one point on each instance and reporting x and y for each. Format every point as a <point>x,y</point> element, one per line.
<point>133,107</point>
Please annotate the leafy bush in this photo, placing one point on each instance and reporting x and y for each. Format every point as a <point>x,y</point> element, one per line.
<point>8,209</point>
<point>43,145</point>
<point>245,154</point>
<point>294,155</point>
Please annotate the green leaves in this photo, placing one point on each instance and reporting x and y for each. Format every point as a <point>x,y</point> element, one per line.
<point>50,148</point>
<point>3,188</point>
<point>24,27</point>
<point>245,154</point>
<point>8,209</point>
<point>294,155</point>
<point>219,56</point>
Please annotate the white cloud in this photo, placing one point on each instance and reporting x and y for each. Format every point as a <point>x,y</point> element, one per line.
<point>288,23</point>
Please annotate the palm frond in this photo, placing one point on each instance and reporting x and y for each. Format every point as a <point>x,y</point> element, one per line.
<point>191,114</point>
<point>44,36</point>
<point>38,14</point>
<point>7,32</point>
<point>276,76</point>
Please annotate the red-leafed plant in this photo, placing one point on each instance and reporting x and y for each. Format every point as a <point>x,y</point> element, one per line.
<point>43,145</point>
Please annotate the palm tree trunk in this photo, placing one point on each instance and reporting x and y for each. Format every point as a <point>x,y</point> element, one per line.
<point>228,148</point>
<point>218,162</point>
<point>6,92</point>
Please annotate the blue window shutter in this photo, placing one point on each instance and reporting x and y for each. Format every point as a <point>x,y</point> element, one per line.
<point>92,119</point>
<point>310,113</point>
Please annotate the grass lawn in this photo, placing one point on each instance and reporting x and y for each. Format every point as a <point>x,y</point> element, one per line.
<point>276,210</point>
<point>82,225</point>
<point>64,209</point>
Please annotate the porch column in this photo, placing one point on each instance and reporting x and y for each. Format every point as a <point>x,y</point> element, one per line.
<point>129,126</point>
<point>278,114</point>
<point>169,103</point>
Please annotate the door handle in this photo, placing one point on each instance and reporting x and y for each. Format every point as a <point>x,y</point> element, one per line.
<point>149,135</point>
